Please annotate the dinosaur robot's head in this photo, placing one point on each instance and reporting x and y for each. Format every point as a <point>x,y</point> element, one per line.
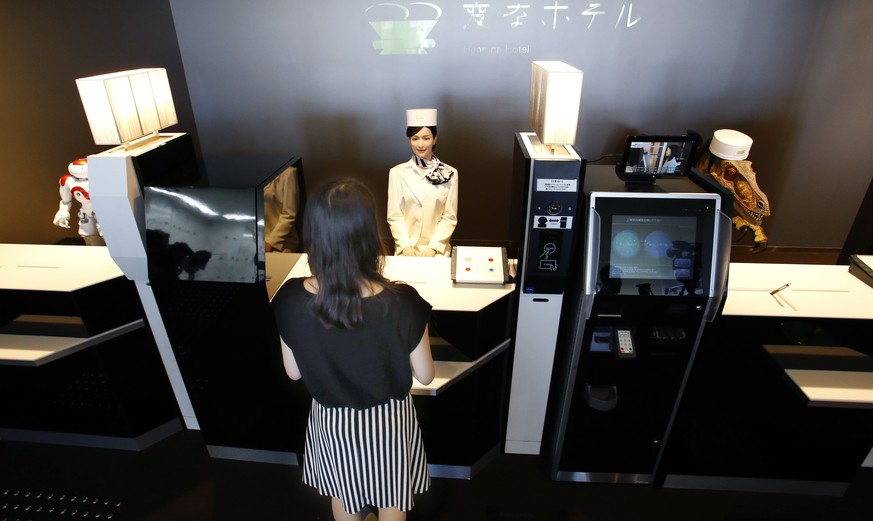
<point>724,160</point>
<point>750,202</point>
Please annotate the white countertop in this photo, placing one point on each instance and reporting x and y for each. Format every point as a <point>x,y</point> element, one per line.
<point>47,267</point>
<point>850,389</point>
<point>828,376</point>
<point>36,350</point>
<point>432,278</point>
<point>447,373</point>
<point>815,291</point>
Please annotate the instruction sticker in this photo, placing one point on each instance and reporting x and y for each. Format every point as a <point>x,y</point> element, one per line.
<point>557,185</point>
<point>553,222</point>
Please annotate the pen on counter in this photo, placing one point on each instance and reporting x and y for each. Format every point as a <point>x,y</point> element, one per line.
<point>780,288</point>
<point>777,299</point>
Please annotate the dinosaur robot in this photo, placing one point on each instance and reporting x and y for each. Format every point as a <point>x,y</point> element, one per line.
<point>724,160</point>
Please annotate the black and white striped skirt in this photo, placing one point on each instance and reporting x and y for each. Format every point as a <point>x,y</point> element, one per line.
<point>364,457</point>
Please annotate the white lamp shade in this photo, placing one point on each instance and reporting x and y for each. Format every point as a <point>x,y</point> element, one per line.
<point>123,106</point>
<point>555,94</point>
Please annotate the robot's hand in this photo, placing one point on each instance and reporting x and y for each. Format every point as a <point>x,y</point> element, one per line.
<point>62,217</point>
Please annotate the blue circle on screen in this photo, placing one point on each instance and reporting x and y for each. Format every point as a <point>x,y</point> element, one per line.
<point>626,243</point>
<point>657,243</point>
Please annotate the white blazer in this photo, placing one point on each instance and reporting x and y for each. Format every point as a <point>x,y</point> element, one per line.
<point>421,214</point>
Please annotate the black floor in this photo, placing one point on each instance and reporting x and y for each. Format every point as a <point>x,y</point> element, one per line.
<point>176,479</point>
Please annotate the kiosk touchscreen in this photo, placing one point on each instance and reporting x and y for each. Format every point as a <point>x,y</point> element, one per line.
<point>655,269</point>
<point>653,244</point>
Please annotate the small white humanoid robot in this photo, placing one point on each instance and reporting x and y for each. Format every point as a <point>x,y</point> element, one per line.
<point>74,185</point>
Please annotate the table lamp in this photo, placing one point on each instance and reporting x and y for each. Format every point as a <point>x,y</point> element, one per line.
<point>125,106</point>
<point>555,94</point>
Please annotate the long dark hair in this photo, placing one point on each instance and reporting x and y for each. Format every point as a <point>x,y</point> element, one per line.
<point>341,237</point>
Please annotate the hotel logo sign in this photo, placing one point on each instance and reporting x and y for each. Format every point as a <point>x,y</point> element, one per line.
<point>405,28</point>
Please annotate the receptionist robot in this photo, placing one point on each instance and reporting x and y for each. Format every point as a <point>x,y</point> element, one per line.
<point>422,193</point>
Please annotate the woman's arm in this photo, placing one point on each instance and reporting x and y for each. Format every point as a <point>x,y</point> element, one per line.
<point>421,360</point>
<point>289,362</point>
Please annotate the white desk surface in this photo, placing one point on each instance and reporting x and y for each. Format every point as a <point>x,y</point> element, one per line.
<point>815,291</point>
<point>36,350</point>
<point>447,373</point>
<point>47,267</point>
<point>828,376</point>
<point>432,278</point>
<point>850,389</point>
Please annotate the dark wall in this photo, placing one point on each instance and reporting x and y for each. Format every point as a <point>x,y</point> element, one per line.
<point>822,183</point>
<point>304,78</point>
<point>44,47</point>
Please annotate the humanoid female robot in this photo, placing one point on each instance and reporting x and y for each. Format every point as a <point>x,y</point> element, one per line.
<point>422,193</point>
<point>74,185</point>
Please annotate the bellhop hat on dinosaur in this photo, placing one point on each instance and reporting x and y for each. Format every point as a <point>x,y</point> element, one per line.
<point>730,144</point>
<point>421,117</point>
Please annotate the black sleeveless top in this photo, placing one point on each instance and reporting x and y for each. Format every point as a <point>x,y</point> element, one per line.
<point>356,368</point>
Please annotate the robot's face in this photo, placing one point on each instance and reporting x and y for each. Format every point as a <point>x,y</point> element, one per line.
<point>422,143</point>
<point>79,168</point>
<point>749,199</point>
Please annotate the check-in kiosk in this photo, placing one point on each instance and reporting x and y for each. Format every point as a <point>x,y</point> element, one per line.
<point>552,178</point>
<point>197,257</point>
<point>211,278</point>
<point>654,273</point>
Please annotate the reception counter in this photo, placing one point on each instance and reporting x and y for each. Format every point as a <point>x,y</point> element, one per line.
<point>77,365</point>
<point>780,395</point>
<point>814,291</point>
<point>226,344</point>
